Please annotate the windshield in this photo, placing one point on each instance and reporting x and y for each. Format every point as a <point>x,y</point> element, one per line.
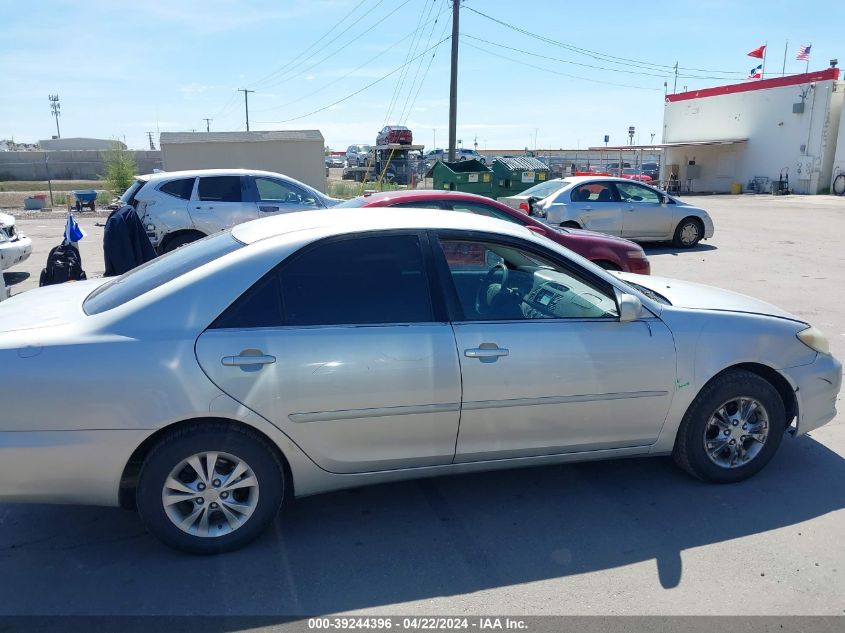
<point>544,189</point>
<point>159,271</point>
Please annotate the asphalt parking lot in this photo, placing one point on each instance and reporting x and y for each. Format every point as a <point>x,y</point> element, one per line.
<point>611,538</point>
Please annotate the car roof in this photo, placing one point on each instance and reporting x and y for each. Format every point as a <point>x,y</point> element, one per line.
<point>342,221</point>
<point>188,173</point>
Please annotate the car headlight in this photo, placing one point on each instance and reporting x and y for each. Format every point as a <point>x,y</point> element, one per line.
<point>814,339</point>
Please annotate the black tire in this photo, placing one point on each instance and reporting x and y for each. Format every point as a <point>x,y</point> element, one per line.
<point>180,240</point>
<point>838,187</point>
<point>213,436</point>
<point>681,239</point>
<point>607,265</point>
<point>570,225</point>
<point>690,452</point>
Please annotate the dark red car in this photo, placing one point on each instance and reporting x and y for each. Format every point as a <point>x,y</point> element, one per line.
<point>394,134</point>
<point>611,253</point>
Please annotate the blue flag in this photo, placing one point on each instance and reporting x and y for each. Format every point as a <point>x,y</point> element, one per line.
<point>72,231</point>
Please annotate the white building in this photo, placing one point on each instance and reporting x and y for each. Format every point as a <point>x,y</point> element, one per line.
<point>299,154</point>
<point>757,130</point>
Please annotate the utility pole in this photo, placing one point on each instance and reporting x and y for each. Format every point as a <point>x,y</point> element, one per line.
<point>208,124</point>
<point>453,84</point>
<point>150,136</point>
<point>675,85</point>
<point>246,104</point>
<point>56,109</point>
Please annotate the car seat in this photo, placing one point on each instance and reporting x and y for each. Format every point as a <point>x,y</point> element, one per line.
<point>604,196</point>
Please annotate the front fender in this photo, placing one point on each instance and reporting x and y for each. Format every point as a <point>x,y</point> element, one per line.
<point>709,342</point>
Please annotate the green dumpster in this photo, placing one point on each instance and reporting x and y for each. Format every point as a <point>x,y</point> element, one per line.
<point>469,176</point>
<point>515,175</point>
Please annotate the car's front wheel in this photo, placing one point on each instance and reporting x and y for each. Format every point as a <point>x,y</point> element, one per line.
<point>688,233</point>
<point>209,488</point>
<point>732,428</point>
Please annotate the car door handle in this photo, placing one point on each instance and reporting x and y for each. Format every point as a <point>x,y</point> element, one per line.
<point>240,361</point>
<point>267,208</point>
<point>486,352</point>
<point>588,208</point>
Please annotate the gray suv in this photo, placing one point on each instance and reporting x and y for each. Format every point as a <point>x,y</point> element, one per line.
<point>179,207</point>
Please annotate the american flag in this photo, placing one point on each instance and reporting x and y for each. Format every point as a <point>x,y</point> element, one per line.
<point>804,53</point>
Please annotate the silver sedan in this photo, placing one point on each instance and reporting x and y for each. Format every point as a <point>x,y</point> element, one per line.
<point>314,351</point>
<point>616,206</point>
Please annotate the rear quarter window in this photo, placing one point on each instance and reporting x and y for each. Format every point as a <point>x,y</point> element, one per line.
<point>159,271</point>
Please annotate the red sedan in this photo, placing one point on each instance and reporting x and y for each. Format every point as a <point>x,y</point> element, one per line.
<point>611,253</point>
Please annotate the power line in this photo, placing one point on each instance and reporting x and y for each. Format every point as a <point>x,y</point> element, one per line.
<point>286,76</point>
<point>360,90</point>
<point>342,77</point>
<point>294,60</point>
<point>565,61</point>
<point>412,48</point>
<point>427,69</point>
<point>405,104</point>
<point>555,72</point>
<point>624,61</point>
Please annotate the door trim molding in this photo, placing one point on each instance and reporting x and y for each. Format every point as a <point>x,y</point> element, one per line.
<point>531,402</point>
<point>377,412</point>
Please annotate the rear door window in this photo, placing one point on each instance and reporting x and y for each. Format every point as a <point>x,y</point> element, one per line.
<point>181,188</point>
<point>220,189</point>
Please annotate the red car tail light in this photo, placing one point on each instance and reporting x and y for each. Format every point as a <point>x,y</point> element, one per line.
<point>523,206</point>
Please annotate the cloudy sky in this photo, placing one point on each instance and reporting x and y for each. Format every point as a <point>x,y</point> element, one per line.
<point>563,73</point>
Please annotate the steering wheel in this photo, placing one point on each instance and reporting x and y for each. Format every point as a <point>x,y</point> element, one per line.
<point>488,291</point>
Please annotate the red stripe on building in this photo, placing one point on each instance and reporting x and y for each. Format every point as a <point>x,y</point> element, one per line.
<point>763,84</point>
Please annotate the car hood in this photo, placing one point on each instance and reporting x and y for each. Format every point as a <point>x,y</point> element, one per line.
<point>6,220</point>
<point>45,307</point>
<point>686,294</point>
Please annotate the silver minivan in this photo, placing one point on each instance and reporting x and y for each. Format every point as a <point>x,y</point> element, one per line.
<point>179,207</point>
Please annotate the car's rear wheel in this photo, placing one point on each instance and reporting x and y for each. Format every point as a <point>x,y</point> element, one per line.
<point>570,225</point>
<point>688,233</point>
<point>210,488</point>
<point>732,428</point>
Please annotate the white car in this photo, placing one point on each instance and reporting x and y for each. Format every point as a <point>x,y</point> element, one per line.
<point>179,207</point>
<point>616,206</point>
<point>15,247</point>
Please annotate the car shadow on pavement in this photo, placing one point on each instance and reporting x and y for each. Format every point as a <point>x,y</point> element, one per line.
<point>667,248</point>
<point>410,541</point>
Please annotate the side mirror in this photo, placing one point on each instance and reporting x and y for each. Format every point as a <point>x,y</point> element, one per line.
<point>492,260</point>
<point>630,308</point>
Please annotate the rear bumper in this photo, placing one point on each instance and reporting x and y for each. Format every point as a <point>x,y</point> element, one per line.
<point>65,466</point>
<point>817,387</point>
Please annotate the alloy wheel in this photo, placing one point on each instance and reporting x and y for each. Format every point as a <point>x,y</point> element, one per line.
<point>736,432</point>
<point>210,494</point>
